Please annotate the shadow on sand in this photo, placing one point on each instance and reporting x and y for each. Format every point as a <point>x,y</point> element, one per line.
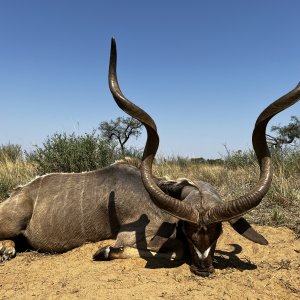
<point>229,259</point>
<point>222,259</point>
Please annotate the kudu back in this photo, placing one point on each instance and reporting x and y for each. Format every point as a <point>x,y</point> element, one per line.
<point>147,216</point>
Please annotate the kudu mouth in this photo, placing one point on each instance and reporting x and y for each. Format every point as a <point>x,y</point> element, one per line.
<point>181,210</point>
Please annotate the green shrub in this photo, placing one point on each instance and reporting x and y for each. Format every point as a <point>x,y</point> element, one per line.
<point>64,152</point>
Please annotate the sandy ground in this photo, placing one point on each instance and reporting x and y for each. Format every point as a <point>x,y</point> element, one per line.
<point>243,271</point>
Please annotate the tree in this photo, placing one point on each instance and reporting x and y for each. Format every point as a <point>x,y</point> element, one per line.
<point>121,129</point>
<point>285,134</point>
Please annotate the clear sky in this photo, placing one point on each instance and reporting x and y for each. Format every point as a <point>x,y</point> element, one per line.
<point>203,70</point>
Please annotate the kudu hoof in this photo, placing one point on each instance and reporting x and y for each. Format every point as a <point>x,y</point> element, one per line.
<point>108,253</point>
<point>7,250</point>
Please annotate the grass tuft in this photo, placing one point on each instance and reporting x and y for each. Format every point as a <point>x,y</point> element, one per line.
<point>14,173</point>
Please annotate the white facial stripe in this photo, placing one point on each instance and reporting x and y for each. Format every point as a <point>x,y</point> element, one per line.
<point>204,254</point>
<point>198,252</point>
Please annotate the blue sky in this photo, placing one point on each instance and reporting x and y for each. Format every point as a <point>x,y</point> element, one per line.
<point>203,70</point>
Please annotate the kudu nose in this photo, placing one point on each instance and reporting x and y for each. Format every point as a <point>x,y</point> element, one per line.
<point>203,272</point>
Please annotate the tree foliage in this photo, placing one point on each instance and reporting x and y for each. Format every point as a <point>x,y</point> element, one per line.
<point>284,135</point>
<point>120,130</point>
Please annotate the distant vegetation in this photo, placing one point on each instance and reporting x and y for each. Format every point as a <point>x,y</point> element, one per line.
<point>233,175</point>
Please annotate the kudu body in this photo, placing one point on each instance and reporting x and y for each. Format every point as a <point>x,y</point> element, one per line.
<point>147,216</point>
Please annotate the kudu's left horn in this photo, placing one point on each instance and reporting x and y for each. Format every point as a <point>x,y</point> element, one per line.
<point>171,205</point>
<point>238,207</point>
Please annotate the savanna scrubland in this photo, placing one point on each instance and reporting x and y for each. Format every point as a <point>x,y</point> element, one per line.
<point>244,270</point>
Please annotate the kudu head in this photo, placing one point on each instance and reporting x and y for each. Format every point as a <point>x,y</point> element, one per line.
<point>202,216</point>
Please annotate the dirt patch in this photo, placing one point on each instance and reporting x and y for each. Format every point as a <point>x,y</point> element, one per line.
<point>243,271</point>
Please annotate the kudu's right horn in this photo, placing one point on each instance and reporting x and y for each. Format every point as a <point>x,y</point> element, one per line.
<point>227,210</point>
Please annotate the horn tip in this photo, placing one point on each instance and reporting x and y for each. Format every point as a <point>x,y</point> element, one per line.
<point>113,41</point>
<point>113,51</point>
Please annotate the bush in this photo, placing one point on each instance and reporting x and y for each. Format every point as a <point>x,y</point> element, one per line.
<point>64,152</point>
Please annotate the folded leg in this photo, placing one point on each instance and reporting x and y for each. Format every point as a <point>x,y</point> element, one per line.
<point>126,247</point>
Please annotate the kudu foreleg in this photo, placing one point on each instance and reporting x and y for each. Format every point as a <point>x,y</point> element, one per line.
<point>164,248</point>
<point>110,253</point>
<point>15,214</point>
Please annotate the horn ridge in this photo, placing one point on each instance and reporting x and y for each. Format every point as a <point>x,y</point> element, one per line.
<point>165,202</point>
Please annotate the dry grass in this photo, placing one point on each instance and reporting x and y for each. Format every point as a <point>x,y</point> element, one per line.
<point>281,206</point>
<point>14,173</point>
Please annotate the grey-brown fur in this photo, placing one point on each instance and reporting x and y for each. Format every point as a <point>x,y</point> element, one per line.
<point>58,212</point>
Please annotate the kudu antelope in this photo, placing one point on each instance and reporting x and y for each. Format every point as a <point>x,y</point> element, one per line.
<point>146,215</point>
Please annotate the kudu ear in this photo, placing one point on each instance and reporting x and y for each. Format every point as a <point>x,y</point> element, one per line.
<point>178,189</point>
<point>241,226</point>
